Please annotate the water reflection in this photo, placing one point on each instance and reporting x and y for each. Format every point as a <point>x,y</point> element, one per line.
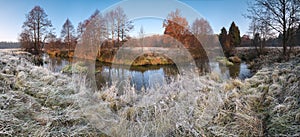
<point>239,71</point>
<point>55,64</point>
<point>139,77</point>
<point>234,70</point>
<point>143,76</point>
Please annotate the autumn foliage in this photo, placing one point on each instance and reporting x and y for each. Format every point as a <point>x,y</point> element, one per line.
<point>101,35</point>
<point>177,27</point>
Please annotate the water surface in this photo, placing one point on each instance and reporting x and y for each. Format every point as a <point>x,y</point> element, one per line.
<point>143,76</point>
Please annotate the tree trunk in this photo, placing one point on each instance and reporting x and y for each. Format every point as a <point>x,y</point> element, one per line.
<point>284,44</point>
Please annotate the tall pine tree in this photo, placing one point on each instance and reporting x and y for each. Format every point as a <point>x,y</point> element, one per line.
<point>234,35</point>
<point>225,42</point>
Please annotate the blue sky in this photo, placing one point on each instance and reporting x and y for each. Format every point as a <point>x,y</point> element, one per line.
<point>219,13</point>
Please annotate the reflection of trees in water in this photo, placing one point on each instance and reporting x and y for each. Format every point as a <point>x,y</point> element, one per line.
<point>58,61</point>
<point>234,70</point>
<point>202,66</point>
<point>143,69</point>
<point>139,75</point>
<point>223,68</point>
<point>54,63</point>
<point>135,75</point>
<point>170,70</point>
<point>100,80</point>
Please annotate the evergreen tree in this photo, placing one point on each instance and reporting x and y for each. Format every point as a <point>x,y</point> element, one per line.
<point>234,34</point>
<point>224,41</point>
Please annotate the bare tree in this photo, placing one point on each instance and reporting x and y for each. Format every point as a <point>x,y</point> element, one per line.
<point>117,25</point>
<point>80,29</point>
<point>202,31</point>
<point>25,39</point>
<point>142,35</point>
<point>261,32</point>
<point>125,28</point>
<point>93,33</point>
<point>51,40</point>
<point>68,33</point>
<point>280,15</point>
<point>99,31</point>
<point>201,27</point>
<point>37,24</point>
<point>119,16</point>
<point>83,25</point>
<point>111,21</point>
<point>123,25</point>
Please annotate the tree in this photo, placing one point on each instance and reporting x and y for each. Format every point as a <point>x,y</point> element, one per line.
<point>92,34</point>
<point>80,29</point>
<point>117,25</point>
<point>68,33</point>
<point>225,42</point>
<point>25,40</point>
<point>257,43</point>
<point>111,21</point>
<point>201,27</point>
<point>282,15</point>
<point>261,32</point>
<point>82,25</point>
<point>142,35</point>
<point>123,25</point>
<point>178,28</point>
<point>126,27</point>
<point>202,31</point>
<point>234,35</point>
<point>119,16</point>
<point>175,25</point>
<point>51,40</point>
<point>37,25</point>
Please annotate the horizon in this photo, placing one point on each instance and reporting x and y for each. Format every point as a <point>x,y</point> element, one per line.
<point>219,13</point>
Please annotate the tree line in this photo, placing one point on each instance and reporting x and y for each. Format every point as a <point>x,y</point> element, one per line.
<point>8,45</point>
<point>37,30</point>
<point>273,23</point>
<point>108,31</point>
<point>275,17</point>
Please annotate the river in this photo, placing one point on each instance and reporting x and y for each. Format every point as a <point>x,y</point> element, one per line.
<point>143,76</point>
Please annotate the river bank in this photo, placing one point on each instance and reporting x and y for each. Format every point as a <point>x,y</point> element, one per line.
<point>137,56</point>
<point>271,55</point>
<point>37,102</point>
<point>107,57</point>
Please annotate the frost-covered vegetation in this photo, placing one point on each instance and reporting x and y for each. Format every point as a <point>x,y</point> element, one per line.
<point>37,102</point>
